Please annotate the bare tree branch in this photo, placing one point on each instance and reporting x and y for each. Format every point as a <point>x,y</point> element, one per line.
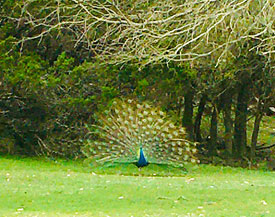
<point>117,32</point>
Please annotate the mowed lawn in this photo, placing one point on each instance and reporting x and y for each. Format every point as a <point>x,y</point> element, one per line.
<point>40,187</point>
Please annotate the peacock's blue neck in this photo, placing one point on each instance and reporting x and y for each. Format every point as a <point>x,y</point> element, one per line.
<point>142,162</point>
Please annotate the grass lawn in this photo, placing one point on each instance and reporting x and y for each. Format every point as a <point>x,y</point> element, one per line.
<point>39,187</point>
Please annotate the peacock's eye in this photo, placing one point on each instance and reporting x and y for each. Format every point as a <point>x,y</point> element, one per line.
<point>160,121</point>
<point>175,133</point>
<point>147,106</point>
<point>140,115</point>
<point>171,125</point>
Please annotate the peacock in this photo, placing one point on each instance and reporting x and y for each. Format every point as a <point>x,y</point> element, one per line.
<point>138,133</point>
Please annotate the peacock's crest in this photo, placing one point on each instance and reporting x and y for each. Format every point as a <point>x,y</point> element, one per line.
<point>130,129</point>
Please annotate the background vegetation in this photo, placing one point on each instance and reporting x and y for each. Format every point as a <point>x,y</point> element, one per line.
<point>209,65</point>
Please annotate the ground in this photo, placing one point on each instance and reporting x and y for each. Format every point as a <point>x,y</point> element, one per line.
<point>40,187</point>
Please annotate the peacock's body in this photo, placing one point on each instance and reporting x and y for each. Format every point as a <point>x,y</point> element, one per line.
<point>142,162</point>
<point>141,134</point>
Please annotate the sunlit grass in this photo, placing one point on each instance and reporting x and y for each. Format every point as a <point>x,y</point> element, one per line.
<point>39,187</point>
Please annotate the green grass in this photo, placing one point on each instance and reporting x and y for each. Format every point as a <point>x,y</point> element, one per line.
<point>37,187</point>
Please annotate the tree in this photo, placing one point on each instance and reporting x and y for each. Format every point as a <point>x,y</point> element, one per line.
<point>120,31</point>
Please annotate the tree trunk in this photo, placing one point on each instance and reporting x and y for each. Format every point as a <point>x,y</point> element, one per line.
<point>197,125</point>
<point>228,123</point>
<point>213,132</point>
<point>255,133</point>
<point>187,121</point>
<point>180,104</point>
<point>240,137</point>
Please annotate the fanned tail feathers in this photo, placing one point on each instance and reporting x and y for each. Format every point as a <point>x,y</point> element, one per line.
<point>129,125</point>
